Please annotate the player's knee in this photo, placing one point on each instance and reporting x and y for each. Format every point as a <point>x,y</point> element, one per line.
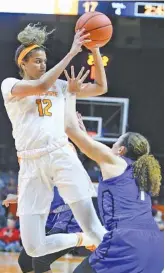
<point>41,264</point>
<point>31,250</point>
<point>36,251</point>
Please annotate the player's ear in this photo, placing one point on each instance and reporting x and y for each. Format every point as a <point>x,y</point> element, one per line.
<point>122,150</point>
<point>22,65</point>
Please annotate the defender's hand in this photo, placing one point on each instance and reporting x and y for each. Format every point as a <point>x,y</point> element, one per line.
<point>75,84</point>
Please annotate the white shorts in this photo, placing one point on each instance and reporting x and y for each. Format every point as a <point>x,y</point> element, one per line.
<point>42,169</point>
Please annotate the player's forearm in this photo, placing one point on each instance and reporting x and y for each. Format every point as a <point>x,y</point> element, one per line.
<point>48,79</point>
<point>71,121</point>
<point>100,76</point>
<point>41,86</point>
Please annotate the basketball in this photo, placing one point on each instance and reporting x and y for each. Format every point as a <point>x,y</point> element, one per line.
<point>98,25</point>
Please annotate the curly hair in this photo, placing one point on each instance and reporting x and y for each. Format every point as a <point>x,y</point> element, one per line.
<point>146,168</point>
<point>32,34</point>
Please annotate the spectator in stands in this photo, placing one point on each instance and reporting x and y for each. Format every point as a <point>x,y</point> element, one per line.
<point>2,184</point>
<point>12,174</point>
<point>10,237</point>
<point>11,187</point>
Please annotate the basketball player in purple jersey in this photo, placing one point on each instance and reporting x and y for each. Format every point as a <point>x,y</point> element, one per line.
<point>129,176</point>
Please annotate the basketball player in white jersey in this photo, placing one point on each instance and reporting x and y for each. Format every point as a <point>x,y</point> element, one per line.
<point>34,104</point>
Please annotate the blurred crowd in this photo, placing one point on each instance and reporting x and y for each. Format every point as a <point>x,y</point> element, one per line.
<point>9,223</point>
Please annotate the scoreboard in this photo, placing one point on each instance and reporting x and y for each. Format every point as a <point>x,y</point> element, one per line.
<point>152,9</point>
<point>118,8</point>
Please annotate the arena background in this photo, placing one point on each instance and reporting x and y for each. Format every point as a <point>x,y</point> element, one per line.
<point>135,71</point>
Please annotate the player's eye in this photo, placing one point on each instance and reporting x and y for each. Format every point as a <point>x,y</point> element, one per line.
<point>38,61</point>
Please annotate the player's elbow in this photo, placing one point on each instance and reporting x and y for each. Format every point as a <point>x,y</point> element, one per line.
<point>102,89</point>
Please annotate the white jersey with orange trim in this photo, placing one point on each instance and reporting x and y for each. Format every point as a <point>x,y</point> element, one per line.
<point>37,121</point>
<point>46,158</point>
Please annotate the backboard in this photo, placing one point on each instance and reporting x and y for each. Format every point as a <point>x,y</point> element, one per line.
<point>105,118</point>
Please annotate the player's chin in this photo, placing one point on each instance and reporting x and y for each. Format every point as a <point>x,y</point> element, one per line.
<point>40,73</point>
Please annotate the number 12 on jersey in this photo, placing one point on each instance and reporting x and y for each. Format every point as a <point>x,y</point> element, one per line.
<point>43,107</point>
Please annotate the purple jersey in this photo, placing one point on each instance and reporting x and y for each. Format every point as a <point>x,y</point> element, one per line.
<point>133,243</point>
<point>122,204</point>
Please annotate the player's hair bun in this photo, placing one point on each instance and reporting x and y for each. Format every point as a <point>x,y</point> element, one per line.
<point>33,34</point>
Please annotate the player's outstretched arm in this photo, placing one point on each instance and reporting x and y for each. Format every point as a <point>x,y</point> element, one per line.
<point>93,149</point>
<point>100,85</point>
<point>27,88</point>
